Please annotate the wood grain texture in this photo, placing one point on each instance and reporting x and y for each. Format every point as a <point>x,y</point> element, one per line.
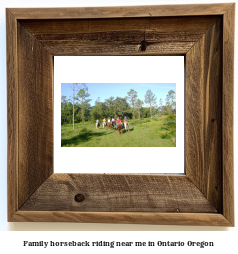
<point>227,113</point>
<point>12,114</point>
<point>174,36</point>
<point>179,25</point>
<point>35,115</point>
<point>121,11</point>
<point>114,193</point>
<point>115,49</point>
<point>192,219</point>
<point>203,121</point>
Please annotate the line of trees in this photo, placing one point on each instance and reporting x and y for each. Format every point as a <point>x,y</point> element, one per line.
<point>78,107</point>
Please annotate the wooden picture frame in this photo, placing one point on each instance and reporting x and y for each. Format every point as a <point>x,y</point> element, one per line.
<point>204,34</point>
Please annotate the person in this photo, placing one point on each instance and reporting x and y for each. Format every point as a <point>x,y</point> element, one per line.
<point>113,122</point>
<point>118,121</point>
<point>126,124</point>
<point>104,122</point>
<point>97,123</point>
<point>108,120</point>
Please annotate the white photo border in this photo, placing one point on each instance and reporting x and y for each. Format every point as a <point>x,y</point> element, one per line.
<point>119,69</point>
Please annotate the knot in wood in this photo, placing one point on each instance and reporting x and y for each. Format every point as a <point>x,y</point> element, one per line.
<point>79,198</point>
<point>143,45</point>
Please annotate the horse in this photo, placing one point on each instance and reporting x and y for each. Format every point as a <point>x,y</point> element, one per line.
<point>126,126</point>
<point>119,127</point>
<point>109,125</point>
<point>104,124</point>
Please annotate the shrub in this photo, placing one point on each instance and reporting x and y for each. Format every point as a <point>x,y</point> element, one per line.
<point>164,135</point>
<point>84,129</point>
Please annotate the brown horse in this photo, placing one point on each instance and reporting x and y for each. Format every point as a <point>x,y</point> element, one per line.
<point>109,125</point>
<point>119,127</point>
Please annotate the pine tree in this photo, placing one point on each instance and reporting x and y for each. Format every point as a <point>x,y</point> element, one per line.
<point>150,99</point>
<point>132,95</point>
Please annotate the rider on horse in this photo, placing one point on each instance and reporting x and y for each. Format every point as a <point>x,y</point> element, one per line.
<point>113,122</point>
<point>126,124</point>
<point>104,122</point>
<point>118,121</point>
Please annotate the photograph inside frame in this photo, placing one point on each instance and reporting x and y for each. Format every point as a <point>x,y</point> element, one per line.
<point>118,115</point>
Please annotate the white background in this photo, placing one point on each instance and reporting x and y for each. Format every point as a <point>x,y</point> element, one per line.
<point>12,241</point>
<point>119,69</point>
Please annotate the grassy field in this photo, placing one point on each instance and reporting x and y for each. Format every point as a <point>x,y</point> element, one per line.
<point>157,132</point>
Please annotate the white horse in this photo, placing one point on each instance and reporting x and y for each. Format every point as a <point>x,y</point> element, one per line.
<point>104,125</point>
<point>126,126</point>
<point>97,124</point>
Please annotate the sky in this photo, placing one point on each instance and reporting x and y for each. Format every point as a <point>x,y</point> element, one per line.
<point>106,90</point>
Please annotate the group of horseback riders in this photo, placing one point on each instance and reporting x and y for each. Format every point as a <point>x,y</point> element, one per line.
<point>112,123</point>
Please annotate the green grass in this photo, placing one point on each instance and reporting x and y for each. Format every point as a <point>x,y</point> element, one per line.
<point>156,132</point>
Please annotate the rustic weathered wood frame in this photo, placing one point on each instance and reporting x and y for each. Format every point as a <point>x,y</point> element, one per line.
<point>204,34</point>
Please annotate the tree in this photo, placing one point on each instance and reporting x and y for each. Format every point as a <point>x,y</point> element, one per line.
<point>146,112</point>
<point>132,95</point>
<point>122,107</point>
<point>75,87</point>
<point>77,110</point>
<point>64,103</point>
<point>97,110</point>
<point>138,106</point>
<point>110,107</point>
<point>161,106</point>
<point>155,110</point>
<point>85,115</point>
<point>150,99</point>
<point>81,96</point>
<point>171,101</point>
<point>68,112</point>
